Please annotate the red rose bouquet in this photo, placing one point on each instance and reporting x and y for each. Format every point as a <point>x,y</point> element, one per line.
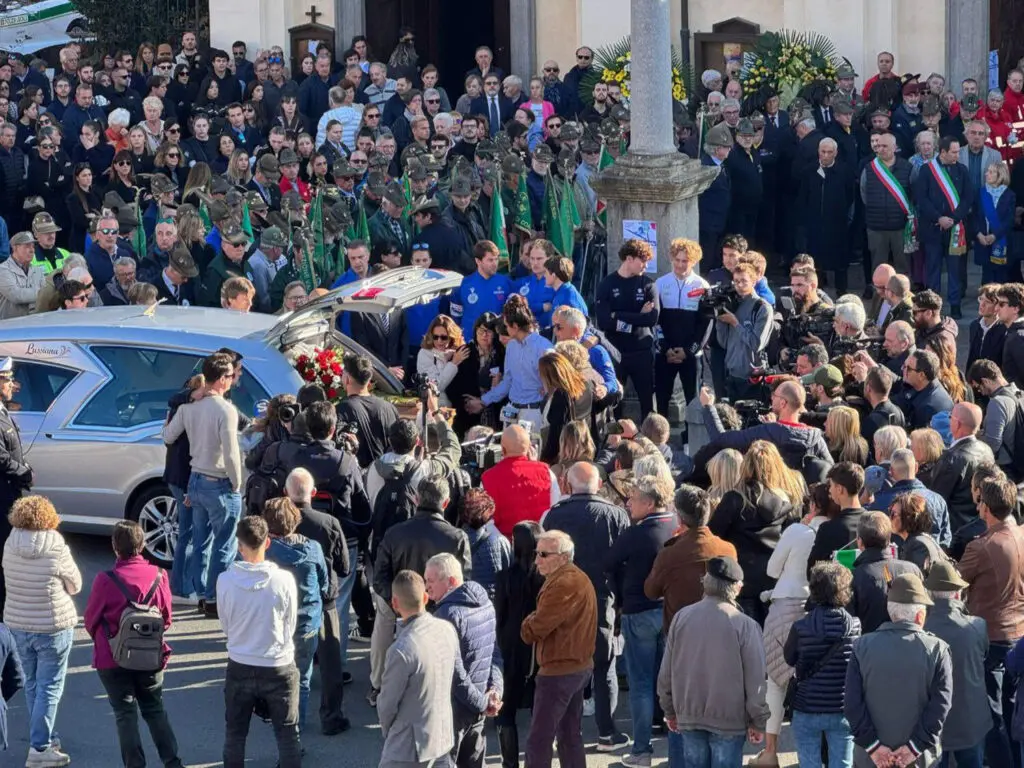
<point>323,367</point>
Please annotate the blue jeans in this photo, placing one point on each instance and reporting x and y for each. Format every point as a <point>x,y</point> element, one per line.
<point>1000,687</point>
<point>807,730</point>
<point>305,648</point>
<point>216,510</point>
<point>704,749</point>
<point>44,658</point>
<point>644,646</point>
<point>180,584</point>
<point>965,758</point>
<point>344,601</point>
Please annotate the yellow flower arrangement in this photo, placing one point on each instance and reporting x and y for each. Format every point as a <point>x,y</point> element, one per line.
<point>620,75</point>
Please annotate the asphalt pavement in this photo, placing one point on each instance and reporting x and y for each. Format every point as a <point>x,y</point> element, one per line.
<point>193,696</point>
<point>193,685</point>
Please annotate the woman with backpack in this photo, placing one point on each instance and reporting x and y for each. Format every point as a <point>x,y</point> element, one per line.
<point>41,579</point>
<point>120,597</point>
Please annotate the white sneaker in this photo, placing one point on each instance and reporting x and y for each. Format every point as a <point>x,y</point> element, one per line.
<point>51,757</point>
<point>588,707</point>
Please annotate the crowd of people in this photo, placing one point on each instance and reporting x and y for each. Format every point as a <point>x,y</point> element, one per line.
<point>830,540</point>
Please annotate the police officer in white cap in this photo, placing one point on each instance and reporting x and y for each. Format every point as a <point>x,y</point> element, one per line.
<point>15,474</point>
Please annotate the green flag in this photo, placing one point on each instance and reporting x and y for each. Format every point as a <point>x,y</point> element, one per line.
<point>316,219</point>
<point>569,200</point>
<point>139,239</point>
<point>601,209</point>
<point>362,226</point>
<point>522,218</point>
<point>246,220</point>
<point>205,216</point>
<point>307,273</point>
<point>557,218</point>
<point>497,234</point>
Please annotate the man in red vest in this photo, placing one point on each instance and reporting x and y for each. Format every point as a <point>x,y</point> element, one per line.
<point>522,488</point>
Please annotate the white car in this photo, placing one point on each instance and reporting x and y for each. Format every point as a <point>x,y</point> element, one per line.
<point>27,26</point>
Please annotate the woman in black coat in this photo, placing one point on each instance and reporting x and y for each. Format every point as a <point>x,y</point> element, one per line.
<point>570,397</point>
<point>474,377</point>
<point>826,194</point>
<point>48,178</point>
<point>83,200</point>
<point>752,518</point>
<point>515,598</point>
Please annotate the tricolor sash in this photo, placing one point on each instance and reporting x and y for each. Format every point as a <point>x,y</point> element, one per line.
<point>893,186</point>
<point>957,236</point>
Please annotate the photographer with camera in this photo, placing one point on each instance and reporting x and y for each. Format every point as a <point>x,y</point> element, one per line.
<point>811,316</point>
<point>744,333</point>
<point>848,325</point>
<point>797,442</point>
<point>809,359</point>
<point>682,328</point>
<point>336,475</point>
<point>372,415</point>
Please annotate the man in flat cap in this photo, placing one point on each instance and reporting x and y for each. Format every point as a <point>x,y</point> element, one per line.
<point>713,203</point>
<point>743,167</point>
<point>230,262</point>
<point>899,725</point>
<point>969,718</point>
<point>389,224</point>
<point>707,643</point>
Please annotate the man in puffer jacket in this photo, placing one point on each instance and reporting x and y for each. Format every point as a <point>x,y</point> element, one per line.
<point>478,685</point>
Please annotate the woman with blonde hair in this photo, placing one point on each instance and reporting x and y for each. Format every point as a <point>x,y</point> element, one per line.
<point>238,172</point>
<point>192,234</point>
<point>570,397</point>
<point>575,444</point>
<point>753,516</point>
<point>579,357</point>
<point>724,473</point>
<point>927,447</point>
<point>441,352</point>
<point>41,578</point>
<point>842,433</point>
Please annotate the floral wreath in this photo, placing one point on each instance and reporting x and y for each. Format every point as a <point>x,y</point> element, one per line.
<point>612,65</point>
<point>786,62</point>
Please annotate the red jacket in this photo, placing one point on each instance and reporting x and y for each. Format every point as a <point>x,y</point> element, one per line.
<point>103,611</point>
<point>1013,105</point>
<point>521,489</point>
<point>304,191</point>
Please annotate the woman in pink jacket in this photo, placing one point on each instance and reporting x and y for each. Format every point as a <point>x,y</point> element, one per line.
<point>131,691</point>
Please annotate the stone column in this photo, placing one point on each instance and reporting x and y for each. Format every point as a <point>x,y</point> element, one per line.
<point>967,42</point>
<point>349,20</point>
<point>522,23</point>
<point>653,181</point>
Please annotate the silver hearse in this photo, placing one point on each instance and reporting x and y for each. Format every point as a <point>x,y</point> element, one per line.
<point>94,385</point>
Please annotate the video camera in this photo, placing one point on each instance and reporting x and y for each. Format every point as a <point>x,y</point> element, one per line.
<point>751,411</point>
<point>480,455</point>
<point>819,324</point>
<point>717,298</point>
<point>842,345</point>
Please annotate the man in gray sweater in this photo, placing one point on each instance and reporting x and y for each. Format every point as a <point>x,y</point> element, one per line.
<point>710,709</point>
<point>999,428</point>
<point>214,487</point>
<point>744,333</point>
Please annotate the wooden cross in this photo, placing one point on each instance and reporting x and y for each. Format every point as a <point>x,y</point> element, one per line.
<point>313,14</point>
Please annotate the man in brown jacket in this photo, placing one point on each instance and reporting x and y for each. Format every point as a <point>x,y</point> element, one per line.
<point>679,568</point>
<point>993,564</point>
<point>563,631</point>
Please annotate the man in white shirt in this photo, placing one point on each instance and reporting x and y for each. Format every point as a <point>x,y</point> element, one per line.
<point>258,613</point>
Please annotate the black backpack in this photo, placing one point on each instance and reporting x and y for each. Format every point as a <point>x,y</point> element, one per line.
<point>395,502</point>
<point>1014,470</point>
<point>138,643</point>
<point>266,483</point>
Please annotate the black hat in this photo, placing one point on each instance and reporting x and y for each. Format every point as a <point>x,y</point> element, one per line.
<point>513,164</point>
<point>292,201</point>
<point>126,220</point>
<point>570,131</point>
<point>234,234</point>
<point>619,112</point>
<point>542,153</point>
<point>181,261</point>
<point>425,205</point>
<point>927,300</point>
<point>394,193</point>
<point>726,569</point>
<point>970,103</point>
<point>486,148</point>
<point>461,185</point>
<point>255,201</point>
<point>416,171</point>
